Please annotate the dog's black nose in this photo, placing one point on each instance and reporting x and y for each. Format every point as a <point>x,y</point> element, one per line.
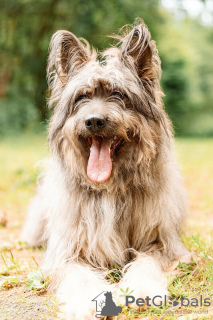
<point>95,122</point>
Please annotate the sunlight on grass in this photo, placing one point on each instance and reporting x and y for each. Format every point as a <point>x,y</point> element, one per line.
<point>195,157</point>
<point>18,171</point>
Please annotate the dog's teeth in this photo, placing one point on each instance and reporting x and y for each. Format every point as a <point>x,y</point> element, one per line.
<point>109,150</point>
<point>115,137</point>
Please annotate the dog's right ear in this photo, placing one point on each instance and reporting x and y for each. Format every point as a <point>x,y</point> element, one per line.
<point>66,55</point>
<point>139,53</point>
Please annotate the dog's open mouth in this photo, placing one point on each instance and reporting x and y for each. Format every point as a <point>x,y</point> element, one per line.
<point>102,151</point>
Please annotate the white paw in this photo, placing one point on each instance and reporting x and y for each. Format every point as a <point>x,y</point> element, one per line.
<point>146,281</point>
<point>77,292</point>
<point>78,307</point>
<point>141,296</point>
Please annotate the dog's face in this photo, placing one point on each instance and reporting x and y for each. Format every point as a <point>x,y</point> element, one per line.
<point>108,112</point>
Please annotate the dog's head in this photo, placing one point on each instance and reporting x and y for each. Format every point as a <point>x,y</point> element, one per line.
<point>108,116</point>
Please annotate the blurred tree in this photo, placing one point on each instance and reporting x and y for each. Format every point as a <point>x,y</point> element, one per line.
<point>185,48</point>
<point>29,25</point>
<point>186,52</point>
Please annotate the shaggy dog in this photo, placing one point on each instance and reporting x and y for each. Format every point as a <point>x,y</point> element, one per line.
<point>112,192</point>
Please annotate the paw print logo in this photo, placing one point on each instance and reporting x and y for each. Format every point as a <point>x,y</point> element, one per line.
<point>173,301</point>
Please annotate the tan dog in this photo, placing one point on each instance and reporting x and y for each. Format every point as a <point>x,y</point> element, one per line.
<point>112,192</point>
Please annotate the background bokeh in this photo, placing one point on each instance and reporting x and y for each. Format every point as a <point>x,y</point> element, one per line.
<point>183,31</point>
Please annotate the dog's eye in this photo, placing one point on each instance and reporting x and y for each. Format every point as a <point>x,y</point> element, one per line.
<point>119,94</point>
<point>82,97</point>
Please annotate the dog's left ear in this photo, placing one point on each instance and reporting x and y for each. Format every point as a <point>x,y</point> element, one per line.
<point>66,55</point>
<point>139,53</point>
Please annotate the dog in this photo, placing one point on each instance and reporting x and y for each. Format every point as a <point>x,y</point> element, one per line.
<point>111,192</point>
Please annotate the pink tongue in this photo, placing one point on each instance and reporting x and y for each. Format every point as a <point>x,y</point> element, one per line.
<point>99,165</point>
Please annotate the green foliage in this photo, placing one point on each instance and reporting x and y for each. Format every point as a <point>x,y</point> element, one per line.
<point>17,114</point>
<point>187,75</point>
<point>29,25</point>
<point>185,48</point>
<point>9,257</point>
<point>9,282</point>
<point>37,281</point>
<point>114,274</point>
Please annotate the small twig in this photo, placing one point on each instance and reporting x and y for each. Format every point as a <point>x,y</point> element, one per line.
<point>4,260</point>
<point>38,266</point>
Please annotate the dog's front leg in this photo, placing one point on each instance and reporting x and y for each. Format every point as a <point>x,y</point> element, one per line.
<point>145,277</point>
<point>81,284</point>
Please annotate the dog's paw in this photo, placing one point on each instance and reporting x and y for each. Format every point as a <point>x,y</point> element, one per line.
<point>143,279</point>
<point>77,307</point>
<point>141,296</point>
<point>78,311</point>
<point>77,295</point>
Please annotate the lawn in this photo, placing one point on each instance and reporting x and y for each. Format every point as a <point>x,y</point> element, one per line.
<point>18,172</point>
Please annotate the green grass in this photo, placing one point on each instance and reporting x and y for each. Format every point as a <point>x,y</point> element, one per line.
<point>18,170</point>
<point>18,156</point>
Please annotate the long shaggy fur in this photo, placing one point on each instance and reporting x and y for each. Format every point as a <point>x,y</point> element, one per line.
<point>133,219</point>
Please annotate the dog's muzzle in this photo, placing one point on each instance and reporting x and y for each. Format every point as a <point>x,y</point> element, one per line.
<point>95,122</point>
<point>103,147</point>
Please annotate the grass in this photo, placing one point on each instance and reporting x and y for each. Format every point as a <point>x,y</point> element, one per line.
<point>19,265</point>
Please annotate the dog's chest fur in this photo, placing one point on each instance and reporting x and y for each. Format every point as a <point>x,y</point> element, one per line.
<point>101,226</point>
